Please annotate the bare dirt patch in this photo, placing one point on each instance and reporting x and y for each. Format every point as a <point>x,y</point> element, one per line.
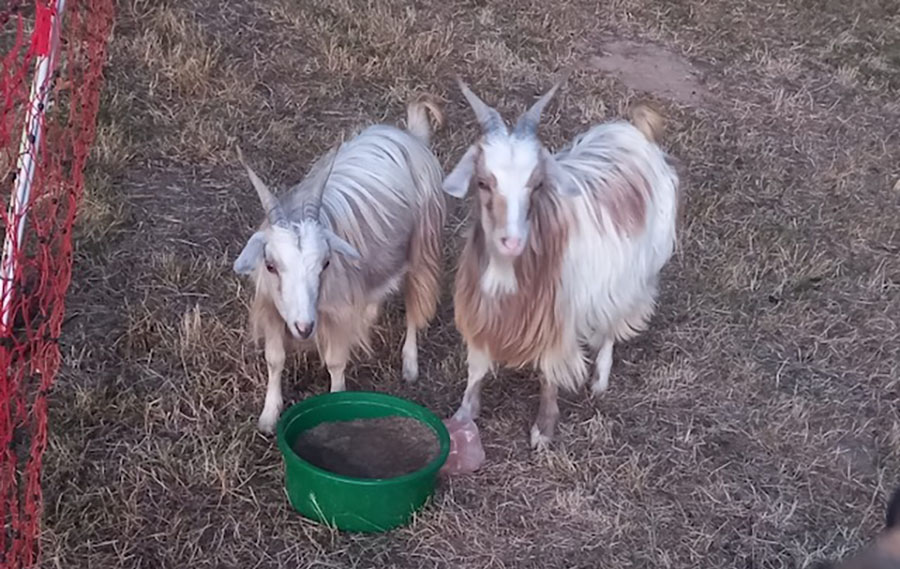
<point>651,68</point>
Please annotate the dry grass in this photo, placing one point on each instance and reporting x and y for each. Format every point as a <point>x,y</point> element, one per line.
<point>755,425</point>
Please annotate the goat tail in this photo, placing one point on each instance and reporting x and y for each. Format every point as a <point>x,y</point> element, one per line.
<point>423,281</point>
<point>648,119</point>
<point>417,120</point>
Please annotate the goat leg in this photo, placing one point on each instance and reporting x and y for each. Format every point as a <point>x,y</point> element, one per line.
<point>548,415</point>
<point>337,354</point>
<point>410,353</point>
<point>479,365</point>
<point>602,367</point>
<point>275,363</point>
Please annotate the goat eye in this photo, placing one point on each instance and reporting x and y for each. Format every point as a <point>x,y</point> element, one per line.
<point>325,264</point>
<point>482,185</point>
<point>271,268</point>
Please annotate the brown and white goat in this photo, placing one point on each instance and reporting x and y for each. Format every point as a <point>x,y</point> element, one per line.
<point>367,215</point>
<point>565,249</point>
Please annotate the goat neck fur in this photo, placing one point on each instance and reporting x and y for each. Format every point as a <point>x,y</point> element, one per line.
<point>515,327</point>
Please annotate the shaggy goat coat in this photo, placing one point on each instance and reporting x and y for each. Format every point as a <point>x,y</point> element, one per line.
<point>367,217</point>
<point>383,197</point>
<point>590,266</point>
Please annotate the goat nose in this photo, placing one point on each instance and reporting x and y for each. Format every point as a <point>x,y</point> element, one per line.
<point>303,329</point>
<point>510,243</point>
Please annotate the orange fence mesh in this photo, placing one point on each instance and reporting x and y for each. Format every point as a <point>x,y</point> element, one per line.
<point>57,115</point>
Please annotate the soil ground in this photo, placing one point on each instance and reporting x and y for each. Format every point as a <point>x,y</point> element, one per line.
<point>756,424</point>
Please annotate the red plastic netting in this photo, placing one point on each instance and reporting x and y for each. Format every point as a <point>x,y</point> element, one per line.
<point>53,53</point>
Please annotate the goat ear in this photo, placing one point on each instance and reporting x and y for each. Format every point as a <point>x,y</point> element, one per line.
<point>338,245</point>
<point>559,179</point>
<point>457,181</point>
<point>251,255</point>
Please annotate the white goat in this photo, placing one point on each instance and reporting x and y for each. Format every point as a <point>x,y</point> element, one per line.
<point>565,250</point>
<point>341,241</point>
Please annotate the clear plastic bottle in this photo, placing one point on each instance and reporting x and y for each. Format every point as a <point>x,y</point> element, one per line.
<point>466,452</point>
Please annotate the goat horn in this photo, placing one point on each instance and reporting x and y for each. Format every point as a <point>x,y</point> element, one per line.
<point>490,119</point>
<point>528,122</point>
<point>320,189</point>
<point>269,202</point>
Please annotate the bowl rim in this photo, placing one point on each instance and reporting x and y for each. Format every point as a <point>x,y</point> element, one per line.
<point>377,398</point>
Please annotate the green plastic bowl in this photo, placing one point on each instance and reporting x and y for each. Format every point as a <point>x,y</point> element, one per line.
<point>356,504</point>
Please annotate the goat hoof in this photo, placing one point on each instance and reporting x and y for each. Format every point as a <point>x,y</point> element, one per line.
<point>410,373</point>
<point>268,419</point>
<point>599,386</point>
<point>267,424</point>
<point>463,416</point>
<point>539,441</point>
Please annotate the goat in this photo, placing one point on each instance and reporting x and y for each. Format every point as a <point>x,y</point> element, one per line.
<point>368,214</point>
<point>564,250</point>
<point>884,553</point>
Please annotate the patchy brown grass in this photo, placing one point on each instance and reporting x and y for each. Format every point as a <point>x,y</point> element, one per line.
<point>755,425</point>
